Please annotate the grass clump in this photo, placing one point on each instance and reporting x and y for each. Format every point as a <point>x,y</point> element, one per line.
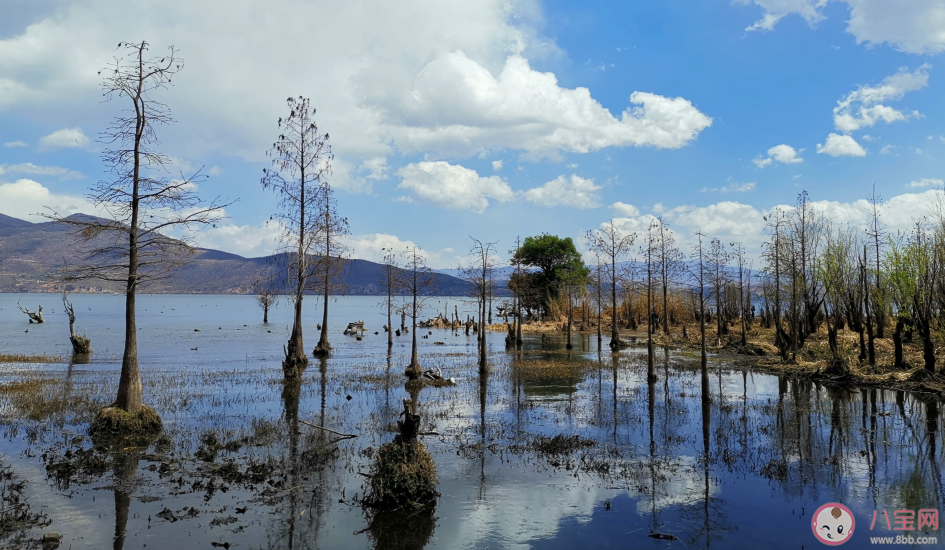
<point>115,422</point>
<point>403,477</point>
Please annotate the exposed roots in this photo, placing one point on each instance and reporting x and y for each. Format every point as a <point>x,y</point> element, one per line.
<point>115,422</point>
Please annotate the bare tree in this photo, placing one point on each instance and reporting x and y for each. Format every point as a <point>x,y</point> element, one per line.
<point>876,231</point>
<point>669,258</point>
<point>330,256</point>
<point>132,246</point>
<point>480,274</point>
<point>301,158</point>
<point>699,274</point>
<point>391,284</point>
<point>744,302</point>
<point>611,243</point>
<point>267,298</point>
<point>716,260</point>
<point>419,281</point>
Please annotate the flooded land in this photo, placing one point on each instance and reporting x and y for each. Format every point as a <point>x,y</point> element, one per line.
<point>550,449</point>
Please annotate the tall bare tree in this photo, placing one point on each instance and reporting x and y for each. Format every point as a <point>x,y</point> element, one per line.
<point>418,280</point>
<point>876,231</point>
<point>143,203</point>
<point>610,242</point>
<point>669,258</point>
<point>330,250</point>
<point>481,273</point>
<point>391,284</point>
<point>301,160</point>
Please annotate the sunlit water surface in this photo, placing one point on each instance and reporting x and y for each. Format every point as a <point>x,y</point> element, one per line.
<point>745,471</point>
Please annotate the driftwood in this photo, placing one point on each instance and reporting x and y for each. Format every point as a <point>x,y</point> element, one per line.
<point>35,316</point>
<point>355,327</point>
<point>410,425</point>
<point>80,344</point>
<point>343,435</point>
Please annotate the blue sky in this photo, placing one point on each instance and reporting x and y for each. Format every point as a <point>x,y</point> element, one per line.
<point>496,119</point>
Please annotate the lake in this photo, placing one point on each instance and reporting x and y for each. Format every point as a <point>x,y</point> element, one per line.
<point>746,470</point>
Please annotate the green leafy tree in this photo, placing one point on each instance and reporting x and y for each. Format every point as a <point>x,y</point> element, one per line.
<point>553,256</point>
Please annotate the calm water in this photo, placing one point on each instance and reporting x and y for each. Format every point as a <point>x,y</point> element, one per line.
<point>745,471</point>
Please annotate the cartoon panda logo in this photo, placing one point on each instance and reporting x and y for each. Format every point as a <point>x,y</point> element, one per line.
<point>833,524</point>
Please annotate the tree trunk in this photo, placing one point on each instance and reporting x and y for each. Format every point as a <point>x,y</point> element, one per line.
<point>897,345</point>
<point>265,313</point>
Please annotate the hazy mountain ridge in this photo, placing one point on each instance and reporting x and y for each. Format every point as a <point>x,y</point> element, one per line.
<point>30,253</point>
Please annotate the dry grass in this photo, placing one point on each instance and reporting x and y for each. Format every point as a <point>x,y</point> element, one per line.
<point>402,479</point>
<point>17,358</point>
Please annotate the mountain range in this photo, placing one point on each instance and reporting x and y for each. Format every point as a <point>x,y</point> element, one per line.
<point>30,254</point>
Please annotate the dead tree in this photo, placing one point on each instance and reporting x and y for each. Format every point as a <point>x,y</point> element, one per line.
<point>35,316</point>
<point>301,160</point>
<point>330,251</point>
<point>610,242</point>
<point>391,285</point>
<point>480,274</point>
<point>417,279</point>
<point>80,344</point>
<point>143,204</point>
<point>267,299</point>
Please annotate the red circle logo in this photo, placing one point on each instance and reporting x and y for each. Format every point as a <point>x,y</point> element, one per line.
<point>833,524</point>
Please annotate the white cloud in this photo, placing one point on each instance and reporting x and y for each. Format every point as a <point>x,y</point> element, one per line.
<point>457,107</point>
<point>775,10</point>
<point>30,168</point>
<point>27,199</point>
<point>731,188</point>
<point>911,26</point>
<point>215,171</point>
<point>784,154</point>
<point>864,107</point>
<point>497,165</point>
<point>888,149</point>
<point>15,144</point>
<point>564,191</point>
<point>866,137</point>
<point>66,138</point>
<point>246,240</point>
<point>357,179</point>
<point>452,186</point>
<point>840,146</point>
<point>415,76</point>
<point>927,182</point>
<point>623,209</point>
<point>371,247</point>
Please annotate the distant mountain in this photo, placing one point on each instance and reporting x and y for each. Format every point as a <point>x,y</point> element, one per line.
<point>31,252</point>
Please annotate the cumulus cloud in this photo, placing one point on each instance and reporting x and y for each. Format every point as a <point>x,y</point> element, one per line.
<point>251,241</point>
<point>352,176</point>
<point>864,106</point>
<point>371,247</point>
<point>415,76</point>
<point>841,146</point>
<point>784,154</point>
<point>927,182</point>
<point>623,209</point>
<point>564,191</point>
<point>452,186</point>
<point>30,168</point>
<point>497,165</point>
<point>27,199</point>
<point>911,26</point>
<point>64,138</point>
<point>456,106</point>
<point>15,144</point>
